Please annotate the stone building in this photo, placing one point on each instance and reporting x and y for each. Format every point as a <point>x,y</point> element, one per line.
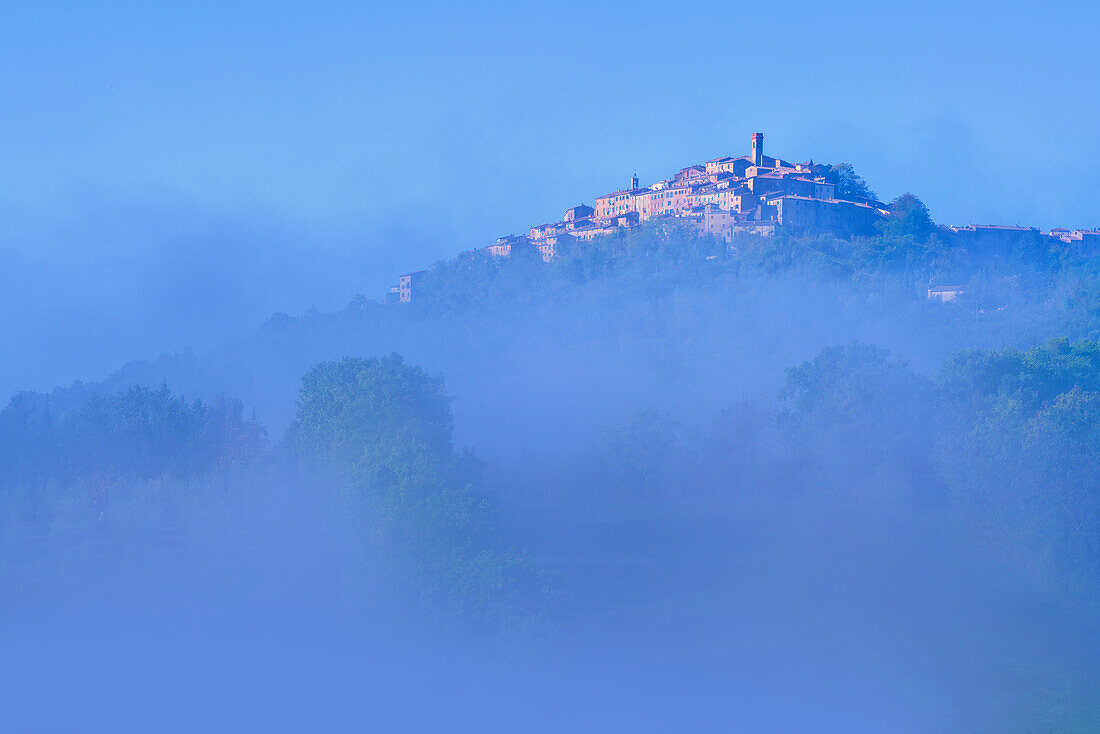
<point>993,238</point>
<point>581,211</point>
<point>548,246</point>
<point>407,285</point>
<point>804,213</point>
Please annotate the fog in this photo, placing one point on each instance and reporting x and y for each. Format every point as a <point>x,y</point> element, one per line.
<point>660,483</point>
<point>692,487</point>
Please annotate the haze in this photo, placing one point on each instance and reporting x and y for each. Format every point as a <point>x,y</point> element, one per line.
<point>296,155</point>
<point>662,481</point>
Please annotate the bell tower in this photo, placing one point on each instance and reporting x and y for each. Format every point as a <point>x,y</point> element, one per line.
<point>758,149</point>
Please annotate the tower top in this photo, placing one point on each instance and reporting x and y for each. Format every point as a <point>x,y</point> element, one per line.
<point>758,149</point>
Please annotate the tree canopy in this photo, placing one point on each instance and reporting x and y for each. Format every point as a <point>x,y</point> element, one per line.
<point>908,217</point>
<point>849,184</point>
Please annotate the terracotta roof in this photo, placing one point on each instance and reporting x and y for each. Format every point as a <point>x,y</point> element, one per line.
<point>623,191</point>
<point>829,202</point>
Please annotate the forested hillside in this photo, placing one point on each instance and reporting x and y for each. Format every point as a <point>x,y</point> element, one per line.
<point>654,443</point>
<point>657,306</point>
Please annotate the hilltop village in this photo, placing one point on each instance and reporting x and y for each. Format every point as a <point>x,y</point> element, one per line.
<point>753,193</point>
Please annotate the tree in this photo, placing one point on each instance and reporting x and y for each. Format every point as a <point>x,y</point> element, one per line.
<point>638,454</point>
<point>1021,381</point>
<point>1020,447</point>
<point>849,185</point>
<point>854,413</point>
<point>378,423</point>
<point>139,434</point>
<point>909,217</point>
<point>381,431</point>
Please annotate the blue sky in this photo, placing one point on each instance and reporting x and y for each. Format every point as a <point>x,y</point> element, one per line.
<point>172,173</point>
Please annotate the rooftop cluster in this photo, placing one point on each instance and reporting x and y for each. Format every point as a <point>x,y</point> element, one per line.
<point>750,193</point>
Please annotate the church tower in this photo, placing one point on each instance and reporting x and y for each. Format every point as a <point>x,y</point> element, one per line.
<point>758,149</point>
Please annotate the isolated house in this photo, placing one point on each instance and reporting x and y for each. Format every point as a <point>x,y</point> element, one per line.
<point>945,293</point>
<point>407,285</point>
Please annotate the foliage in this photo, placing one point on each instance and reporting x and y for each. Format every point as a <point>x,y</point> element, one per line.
<point>849,185</point>
<point>382,430</point>
<point>1023,448</point>
<point>908,218</point>
<point>1021,382</point>
<point>124,473</point>
<point>1010,438</point>
<point>1041,289</point>
<point>377,422</point>
<point>855,413</point>
<point>139,434</point>
<point>1007,438</point>
<point>637,455</point>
